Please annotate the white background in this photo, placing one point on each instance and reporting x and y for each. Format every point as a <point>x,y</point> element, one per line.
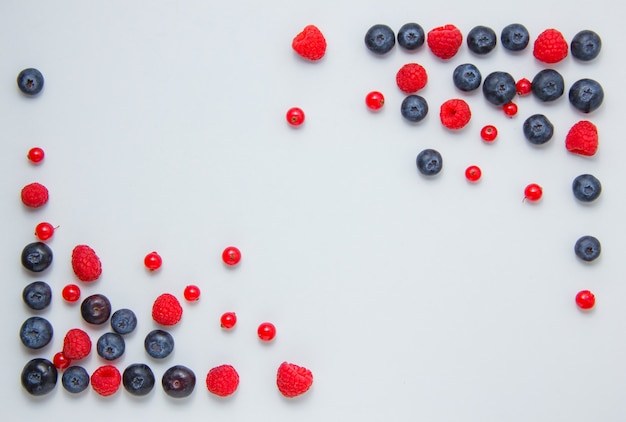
<point>409,298</point>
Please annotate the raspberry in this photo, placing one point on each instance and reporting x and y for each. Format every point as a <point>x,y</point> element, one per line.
<point>86,264</point>
<point>445,41</point>
<point>293,380</point>
<point>550,46</point>
<point>76,344</point>
<point>222,380</point>
<point>582,138</point>
<point>455,113</point>
<point>166,310</point>
<point>411,78</point>
<point>106,380</point>
<point>34,195</point>
<point>310,43</point>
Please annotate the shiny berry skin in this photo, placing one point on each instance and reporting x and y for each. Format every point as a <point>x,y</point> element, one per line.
<point>39,376</point>
<point>191,293</point>
<point>587,248</point>
<point>36,256</point>
<point>524,87</point>
<point>138,379</point>
<point>37,295</point>
<point>481,39</point>
<point>96,309</point>
<point>548,85</point>
<point>380,39</point>
<point>429,162</point>
<point>586,188</point>
<point>411,36</point>
<point>36,155</point>
<point>266,331</point>
<point>61,361</point>
<point>489,133</point>
<point>533,192</point>
<point>231,256</point>
<point>71,293</point>
<point>75,379</point>
<point>159,344</point>
<point>515,37</point>
<point>467,77</point>
<point>123,321</point>
<point>295,116</point>
<point>153,261</point>
<point>110,346</point>
<point>585,300</point>
<point>586,45</point>
<point>178,381</point>
<point>30,81</point>
<point>44,231</point>
<point>499,88</point>
<point>414,108</point>
<point>374,100</point>
<point>473,173</point>
<point>538,129</point>
<point>586,95</point>
<point>510,109</point>
<point>228,320</point>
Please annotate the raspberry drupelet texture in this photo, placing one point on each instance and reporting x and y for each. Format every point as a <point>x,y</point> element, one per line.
<point>411,78</point>
<point>106,380</point>
<point>444,41</point>
<point>166,310</point>
<point>76,344</point>
<point>35,195</point>
<point>582,138</point>
<point>550,46</point>
<point>293,380</point>
<point>86,264</point>
<point>310,43</point>
<point>222,380</point>
<point>455,114</point>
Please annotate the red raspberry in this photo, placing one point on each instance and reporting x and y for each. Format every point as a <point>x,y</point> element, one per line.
<point>76,344</point>
<point>310,43</point>
<point>445,41</point>
<point>293,380</point>
<point>550,46</point>
<point>455,113</point>
<point>411,78</point>
<point>86,264</point>
<point>166,310</point>
<point>582,138</point>
<point>106,380</point>
<point>222,380</point>
<point>34,195</point>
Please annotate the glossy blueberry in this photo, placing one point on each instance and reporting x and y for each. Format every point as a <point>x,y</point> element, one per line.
<point>429,162</point>
<point>481,39</point>
<point>75,379</point>
<point>159,344</point>
<point>414,108</point>
<point>380,39</point>
<point>39,376</point>
<point>538,129</point>
<point>499,88</point>
<point>37,295</point>
<point>36,332</point>
<point>548,85</point>
<point>178,381</point>
<point>138,379</point>
<point>30,81</point>
<point>36,256</point>
<point>411,36</point>
<point>123,321</point>
<point>110,346</point>
<point>586,188</point>
<point>586,45</point>
<point>96,309</point>
<point>514,37</point>
<point>586,95</point>
<point>466,77</point>
<point>587,248</point>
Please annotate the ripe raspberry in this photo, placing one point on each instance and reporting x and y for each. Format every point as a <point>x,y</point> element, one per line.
<point>86,264</point>
<point>166,310</point>
<point>222,380</point>
<point>455,113</point>
<point>445,41</point>
<point>310,43</point>
<point>411,78</point>
<point>293,380</point>
<point>76,344</point>
<point>582,138</point>
<point>550,46</point>
<point>106,380</point>
<point>34,195</point>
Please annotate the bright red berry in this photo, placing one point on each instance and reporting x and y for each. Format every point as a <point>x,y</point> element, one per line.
<point>523,86</point>
<point>489,133</point>
<point>228,320</point>
<point>76,344</point>
<point>510,109</point>
<point>444,41</point>
<point>61,361</point>
<point>455,114</point>
<point>374,100</point>
<point>153,261</point>
<point>585,299</point>
<point>533,192</point>
<point>266,331</point>
<point>582,138</point>
<point>44,231</point>
<point>473,173</point>
<point>86,264</point>
<point>231,256</point>
<point>550,46</point>
<point>295,116</point>
<point>192,293</point>
<point>106,380</point>
<point>71,293</point>
<point>310,43</point>
<point>293,380</point>
<point>166,310</point>
<point>36,155</point>
<point>34,195</point>
<point>411,78</point>
<point>222,380</point>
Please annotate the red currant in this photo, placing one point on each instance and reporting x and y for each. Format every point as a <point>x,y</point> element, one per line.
<point>228,320</point>
<point>295,116</point>
<point>44,231</point>
<point>585,299</point>
<point>61,361</point>
<point>192,293</point>
<point>473,173</point>
<point>533,192</point>
<point>153,261</point>
<point>489,133</point>
<point>231,256</point>
<point>36,155</point>
<point>375,100</point>
<point>267,331</point>
<point>510,109</point>
<point>523,86</point>
<point>71,293</point>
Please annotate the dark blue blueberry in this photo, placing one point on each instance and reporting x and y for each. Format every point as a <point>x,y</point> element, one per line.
<point>36,256</point>
<point>380,39</point>
<point>587,248</point>
<point>586,188</point>
<point>466,77</point>
<point>39,376</point>
<point>481,39</point>
<point>514,37</point>
<point>414,108</point>
<point>586,95</point>
<point>178,381</point>
<point>75,379</point>
<point>159,344</point>
<point>586,45</point>
<point>411,36</point>
<point>138,379</point>
<point>36,332</point>
<point>37,295</point>
<point>429,162</point>
<point>123,321</point>
<point>499,88</point>
<point>110,346</point>
<point>96,309</point>
<point>548,85</point>
<point>30,81</point>
<point>538,129</point>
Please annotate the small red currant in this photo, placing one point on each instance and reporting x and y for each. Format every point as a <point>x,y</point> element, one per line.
<point>192,293</point>
<point>510,109</point>
<point>228,320</point>
<point>61,361</point>
<point>585,299</point>
<point>533,192</point>
<point>71,293</point>
<point>231,256</point>
<point>295,116</point>
<point>36,155</point>
<point>44,231</point>
<point>489,133</point>
<point>473,173</point>
<point>267,331</point>
<point>523,86</point>
<point>375,100</point>
<point>153,261</point>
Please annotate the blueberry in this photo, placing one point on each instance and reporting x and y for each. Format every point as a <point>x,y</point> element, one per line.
<point>75,379</point>
<point>548,85</point>
<point>138,379</point>
<point>380,39</point>
<point>586,188</point>
<point>538,129</point>
<point>414,108</point>
<point>466,77</point>
<point>178,381</point>
<point>36,256</point>
<point>499,88</point>
<point>514,37</point>
<point>586,95</point>
<point>481,39</point>
<point>429,162</point>
<point>39,376</point>
<point>37,295</point>
<point>30,81</point>
<point>36,332</point>
<point>159,344</point>
<point>110,346</point>
<point>586,45</point>
<point>123,321</point>
<point>587,248</point>
<point>411,36</point>
<point>96,309</point>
